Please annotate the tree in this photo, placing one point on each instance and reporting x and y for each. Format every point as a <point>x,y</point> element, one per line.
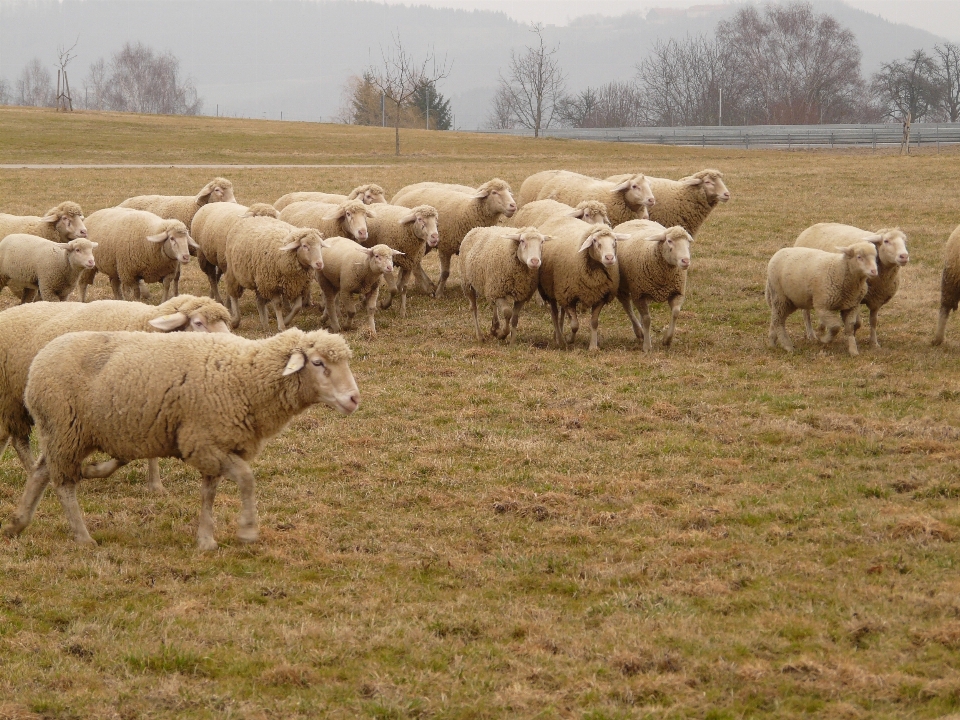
<point>908,87</point>
<point>35,85</point>
<point>947,74</point>
<point>426,96</point>
<point>501,113</point>
<point>681,82</point>
<point>95,86</point>
<point>400,75</point>
<point>534,85</point>
<point>616,104</point>
<point>6,93</point>
<point>64,100</point>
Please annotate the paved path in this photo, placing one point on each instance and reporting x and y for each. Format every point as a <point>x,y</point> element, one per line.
<point>35,166</point>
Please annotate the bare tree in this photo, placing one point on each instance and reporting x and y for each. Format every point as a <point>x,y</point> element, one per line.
<point>616,104</point>
<point>501,113</point>
<point>35,85</point>
<point>400,77</point>
<point>95,86</point>
<point>947,73</point>
<point>6,92</point>
<point>908,87</point>
<point>534,85</point>
<point>64,101</point>
<point>681,82</point>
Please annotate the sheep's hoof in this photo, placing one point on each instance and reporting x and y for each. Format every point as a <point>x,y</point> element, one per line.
<point>936,341</point>
<point>86,540</point>
<point>206,544</point>
<point>248,534</point>
<point>13,529</point>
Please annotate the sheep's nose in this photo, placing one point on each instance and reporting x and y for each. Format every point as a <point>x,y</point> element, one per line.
<point>185,258</point>
<point>904,258</point>
<point>535,262</point>
<point>684,262</point>
<point>318,265</point>
<point>91,263</point>
<point>609,258</point>
<point>511,209</point>
<point>725,196</point>
<point>433,241</point>
<point>362,234</point>
<point>83,233</point>
<point>651,202</point>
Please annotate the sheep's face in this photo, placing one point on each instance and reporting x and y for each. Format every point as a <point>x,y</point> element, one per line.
<point>425,228</point>
<point>892,247</point>
<point>675,247</point>
<point>80,253</point>
<point>355,223</point>
<point>381,258</point>
<point>70,226</point>
<point>638,192</point>
<point>208,320</point>
<point>307,246</point>
<point>176,243</point>
<point>498,200</point>
<point>217,190</point>
<point>529,247</point>
<point>324,379</point>
<point>601,245</point>
<point>715,190</point>
<point>373,195</point>
<point>592,212</point>
<point>862,257</point>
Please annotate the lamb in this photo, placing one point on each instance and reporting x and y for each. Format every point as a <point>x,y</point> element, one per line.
<point>410,230</point>
<point>274,259</point>
<point>368,194</point>
<point>538,212</point>
<point>459,212</point>
<point>686,202</point>
<point>653,262</point>
<point>891,256</point>
<point>505,269</point>
<point>209,230</point>
<point>134,246</point>
<point>350,268</point>
<point>211,400</point>
<point>31,264</point>
<point>579,267</point>
<point>26,329</point>
<point>833,283</point>
<point>59,224</point>
<point>348,219</point>
<point>949,284</point>
<point>629,199</point>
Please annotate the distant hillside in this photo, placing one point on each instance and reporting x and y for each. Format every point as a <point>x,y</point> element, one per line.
<point>258,59</point>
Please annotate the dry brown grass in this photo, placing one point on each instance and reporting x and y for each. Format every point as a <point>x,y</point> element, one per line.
<point>719,530</point>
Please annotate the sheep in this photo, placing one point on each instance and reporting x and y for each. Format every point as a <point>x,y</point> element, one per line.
<point>349,268</point>
<point>31,264</point>
<point>539,211</point>
<point>59,224</point>
<point>579,267</point>
<point>653,262</point>
<point>459,212</point>
<point>136,245</point>
<point>211,400</point>
<point>368,194</point>
<point>410,230</point>
<point>629,199</point>
<point>892,254</point>
<point>346,219</point>
<point>686,202</point>
<point>530,188</point>
<point>505,269</point>
<point>274,259</point>
<point>949,284</point>
<point>26,329</point>
<point>832,283</point>
<point>209,230</point>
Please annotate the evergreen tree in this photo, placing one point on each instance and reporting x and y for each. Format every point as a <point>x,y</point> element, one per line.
<point>440,114</point>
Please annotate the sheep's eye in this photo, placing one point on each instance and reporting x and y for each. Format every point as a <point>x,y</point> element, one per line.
<point>318,363</point>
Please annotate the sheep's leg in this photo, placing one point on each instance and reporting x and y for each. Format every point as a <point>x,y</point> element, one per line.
<point>595,328</point>
<point>631,316</point>
<point>144,291</point>
<point>348,307</point>
<point>830,330</point>
<point>117,288</point>
<point>504,307</point>
<point>808,325</point>
<point>32,492</point>
<point>333,317</point>
<point>426,284</point>
<point>67,493</point>
<point>206,539</point>
<point>471,294</point>
<point>402,289</point>
<point>941,326</point>
<point>22,447</point>
<point>643,307</point>
<point>675,303</point>
<point>86,278</point>
<point>371,303</point>
<point>574,323</point>
<point>849,327</point>
<point>517,307</point>
<point>294,311</point>
<point>214,279</point>
<point>444,274</point>
<point>874,342</point>
<point>262,311</point>
<point>237,470</point>
<point>170,285</point>
<point>234,312</point>
<point>277,305</point>
<point>557,324</point>
<point>27,295</point>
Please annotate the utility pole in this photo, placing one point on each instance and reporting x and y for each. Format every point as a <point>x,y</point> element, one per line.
<point>383,110</point>
<point>721,108</point>
<point>428,107</point>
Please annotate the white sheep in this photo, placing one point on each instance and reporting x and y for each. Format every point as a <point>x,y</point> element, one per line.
<point>832,283</point>
<point>274,259</point>
<point>949,284</point>
<point>368,194</point>
<point>135,246</point>
<point>686,202</point>
<point>211,400</point>
<point>538,212</point>
<point>346,219</point>
<point>460,209</point>
<point>892,254</point>
<point>209,230</point>
<point>409,230</point>
<point>504,268</point>
<point>26,329</point>
<point>348,269</point>
<point>653,262</point>
<point>579,267</point>
<point>31,264</point>
<point>530,188</point>
<point>629,199</point>
<point>59,224</point>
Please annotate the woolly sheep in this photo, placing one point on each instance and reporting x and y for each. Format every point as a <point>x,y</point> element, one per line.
<point>503,267</point>
<point>26,329</point>
<point>209,230</point>
<point>368,194</point>
<point>459,212</point>
<point>350,268</point>
<point>686,202</point>
<point>31,264</point>
<point>211,400</point>
<point>949,284</point>
<point>832,283</point>
<point>538,212</point>
<point>59,224</point>
<point>579,267</point>
<point>891,256</point>
<point>653,262</point>
<point>347,219</point>
<point>274,259</point>
<point>134,246</point>
<point>410,230</point>
<point>530,188</point>
<point>629,199</point>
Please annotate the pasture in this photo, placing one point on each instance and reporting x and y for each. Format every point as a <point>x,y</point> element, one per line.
<point>719,530</point>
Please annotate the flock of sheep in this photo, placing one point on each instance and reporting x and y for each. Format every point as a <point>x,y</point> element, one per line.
<point>116,376</point>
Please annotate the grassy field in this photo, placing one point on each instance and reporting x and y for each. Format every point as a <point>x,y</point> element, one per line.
<point>716,531</point>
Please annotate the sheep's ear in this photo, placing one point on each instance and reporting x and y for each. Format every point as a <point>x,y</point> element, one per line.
<point>295,363</point>
<point>192,243</point>
<point>295,245</point>
<point>516,237</point>
<point>692,181</point>
<point>162,237</point>
<point>547,237</point>
<point>52,217</point>
<point>407,219</point>
<point>335,215</point>
<point>94,245</point>
<point>324,243</point>
<point>875,239</point>
<point>658,238</point>
<point>398,252</point>
<point>848,251</point>
<point>481,194</point>
<point>622,236</point>
<point>370,214</point>
<point>205,193</point>
<point>622,186</point>
<point>586,243</point>
<point>367,251</point>
<point>577,213</point>
<point>168,323</point>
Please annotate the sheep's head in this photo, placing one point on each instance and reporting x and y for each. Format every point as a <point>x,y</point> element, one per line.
<point>674,246</point>
<point>217,190</point>
<point>636,192</point>
<point>601,244</point>
<point>80,253</point>
<point>593,212</point>
<point>862,257</point>
<point>368,194</point>
<point>175,241</point>
<point>306,243</point>
<point>192,314</point>
<point>352,216</point>
<point>497,198</point>
<point>891,246</point>
<point>67,219</point>
<point>261,210</point>
<point>381,258</point>
<point>529,242</point>
<point>712,185</point>
<point>320,360</point>
<point>424,219</point>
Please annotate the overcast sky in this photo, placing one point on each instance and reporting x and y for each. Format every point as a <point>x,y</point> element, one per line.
<point>937,16</point>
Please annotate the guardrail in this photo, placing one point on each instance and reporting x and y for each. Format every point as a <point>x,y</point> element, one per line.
<point>747,136</point>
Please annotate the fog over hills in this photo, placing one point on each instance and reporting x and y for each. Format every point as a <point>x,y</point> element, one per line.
<point>258,58</point>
